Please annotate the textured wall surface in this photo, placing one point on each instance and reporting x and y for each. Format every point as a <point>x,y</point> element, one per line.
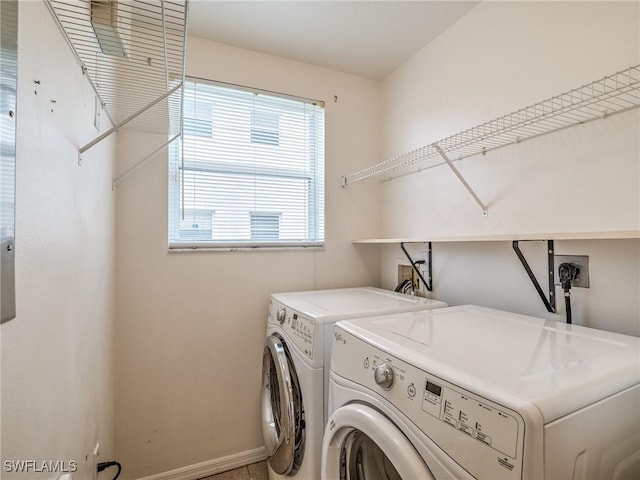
<point>500,57</point>
<point>191,326</point>
<point>57,354</point>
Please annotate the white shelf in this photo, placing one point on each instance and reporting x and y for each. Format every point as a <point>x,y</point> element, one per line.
<point>626,234</point>
<point>599,99</point>
<point>133,54</point>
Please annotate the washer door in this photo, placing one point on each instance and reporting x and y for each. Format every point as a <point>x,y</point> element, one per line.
<point>361,443</point>
<point>282,411</point>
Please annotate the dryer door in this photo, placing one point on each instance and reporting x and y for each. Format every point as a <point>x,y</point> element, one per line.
<point>361,443</point>
<point>282,410</point>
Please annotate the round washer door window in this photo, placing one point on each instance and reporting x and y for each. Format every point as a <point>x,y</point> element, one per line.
<point>282,410</point>
<point>362,444</point>
<point>364,459</point>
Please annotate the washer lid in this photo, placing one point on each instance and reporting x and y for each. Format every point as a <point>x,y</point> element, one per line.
<point>336,304</point>
<point>555,366</point>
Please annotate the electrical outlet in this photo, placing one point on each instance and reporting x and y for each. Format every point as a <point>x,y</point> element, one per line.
<point>580,261</point>
<point>96,460</point>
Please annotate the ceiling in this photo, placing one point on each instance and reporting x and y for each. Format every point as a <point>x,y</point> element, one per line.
<point>365,38</point>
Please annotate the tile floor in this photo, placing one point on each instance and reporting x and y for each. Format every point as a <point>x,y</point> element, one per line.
<point>255,471</point>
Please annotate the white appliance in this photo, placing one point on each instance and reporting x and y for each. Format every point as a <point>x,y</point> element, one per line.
<point>295,364</point>
<point>470,392</point>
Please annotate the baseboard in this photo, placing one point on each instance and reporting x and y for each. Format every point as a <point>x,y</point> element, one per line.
<point>211,467</point>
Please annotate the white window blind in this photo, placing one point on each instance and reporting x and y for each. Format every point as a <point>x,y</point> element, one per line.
<point>265,226</point>
<point>249,171</point>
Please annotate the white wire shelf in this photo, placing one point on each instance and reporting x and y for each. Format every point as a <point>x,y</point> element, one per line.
<point>599,99</point>
<point>133,54</point>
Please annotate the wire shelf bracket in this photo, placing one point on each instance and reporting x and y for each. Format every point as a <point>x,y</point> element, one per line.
<point>461,178</point>
<point>599,99</point>
<point>549,303</point>
<point>130,171</point>
<point>428,284</point>
<point>126,121</point>
<point>133,56</point>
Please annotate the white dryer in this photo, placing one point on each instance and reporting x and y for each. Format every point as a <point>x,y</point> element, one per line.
<point>295,368</point>
<point>475,393</point>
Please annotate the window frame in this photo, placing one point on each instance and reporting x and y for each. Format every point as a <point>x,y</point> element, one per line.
<point>314,204</point>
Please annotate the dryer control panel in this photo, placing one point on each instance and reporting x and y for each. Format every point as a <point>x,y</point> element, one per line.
<point>300,328</point>
<point>482,435</point>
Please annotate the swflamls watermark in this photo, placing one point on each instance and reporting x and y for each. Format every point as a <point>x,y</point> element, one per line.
<point>39,466</point>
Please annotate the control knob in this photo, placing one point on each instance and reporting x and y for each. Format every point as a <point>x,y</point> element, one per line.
<point>383,375</point>
<point>281,315</point>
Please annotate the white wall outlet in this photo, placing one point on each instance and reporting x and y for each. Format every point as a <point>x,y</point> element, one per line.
<point>65,476</point>
<point>96,460</point>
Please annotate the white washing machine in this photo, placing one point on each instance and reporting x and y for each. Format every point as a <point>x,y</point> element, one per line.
<point>295,369</point>
<point>474,393</point>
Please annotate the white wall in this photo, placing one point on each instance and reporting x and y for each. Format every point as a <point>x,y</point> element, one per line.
<point>191,326</point>
<point>500,57</point>
<point>490,274</point>
<point>57,356</point>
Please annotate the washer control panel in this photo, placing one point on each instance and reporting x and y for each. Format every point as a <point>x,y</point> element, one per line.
<point>486,438</point>
<point>299,327</point>
<point>472,415</point>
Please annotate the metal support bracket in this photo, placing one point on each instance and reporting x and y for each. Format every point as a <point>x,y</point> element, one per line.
<point>142,162</point>
<point>550,304</point>
<point>428,284</point>
<point>130,118</point>
<point>461,178</point>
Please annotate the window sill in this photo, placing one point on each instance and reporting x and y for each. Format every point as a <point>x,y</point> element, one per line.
<point>226,248</point>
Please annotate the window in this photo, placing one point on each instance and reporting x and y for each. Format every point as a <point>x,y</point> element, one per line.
<point>196,225</point>
<point>197,118</point>
<point>265,226</point>
<point>265,127</point>
<point>249,171</point>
